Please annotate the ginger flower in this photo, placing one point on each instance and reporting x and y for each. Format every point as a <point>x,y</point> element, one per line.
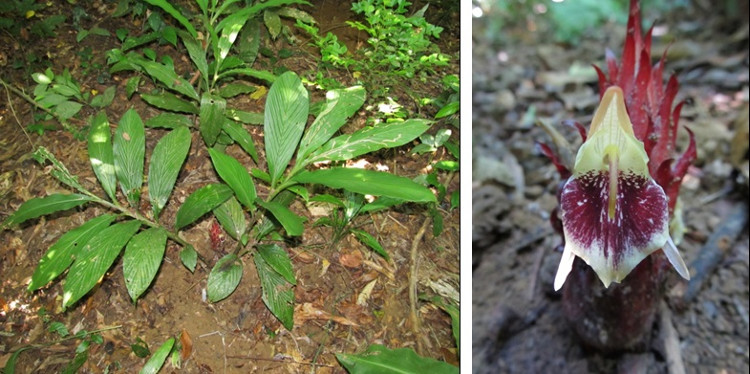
<point>614,214</point>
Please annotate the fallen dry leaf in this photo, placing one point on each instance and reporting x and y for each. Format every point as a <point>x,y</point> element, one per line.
<point>308,311</point>
<point>187,345</point>
<point>351,260</point>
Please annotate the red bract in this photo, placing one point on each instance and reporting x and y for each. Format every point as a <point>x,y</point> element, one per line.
<point>649,104</point>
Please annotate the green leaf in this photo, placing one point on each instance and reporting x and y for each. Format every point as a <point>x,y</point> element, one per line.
<point>339,106</point>
<point>169,34</point>
<point>273,23</point>
<point>67,109</point>
<point>10,365</point>
<point>211,117</point>
<point>143,256</point>
<point>166,160</point>
<point>40,206</point>
<point>260,74</point>
<point>286,114</point>
<point>177,15</point>
<point>131,43</point>
<point>61,254</point>
<point>370,241</point>
<point>132,86</point>
<point>129,148</point>
<point>295,13</point>
<point>379,359</point>
<point>278,259</point>
<point>277,293</point>
<point>224,278</point>
<point>448,109</point>
<point>166,75</point>
<point>242,137</point>
<point>368,182</point>
<point>105,98</point>
<point>100,154</point>
<point>292,223</point>
<point>455,314</point>
<point>59,328</point>
<point>140,348</point>
<point>447,165</point>
<point>168,121</point>
<point>251,118</point>
<point>95,258</point>
<point>189,257</point>
<point>201,202</point>
<point>196,52</point>
<point>369,139</point>
<point>232,218</point>
<point>157,360</point>
<point>233,89</point>
<point>235,175</point>
<point>168,101</point>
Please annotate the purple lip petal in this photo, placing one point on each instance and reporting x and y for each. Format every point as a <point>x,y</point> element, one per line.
<point>613,213</point>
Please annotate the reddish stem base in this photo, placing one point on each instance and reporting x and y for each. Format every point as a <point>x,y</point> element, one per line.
<point>617,318</point>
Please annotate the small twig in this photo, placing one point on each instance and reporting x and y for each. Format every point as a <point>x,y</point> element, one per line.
<point>13,111</point>
<point>671,341</point>
<point>413,284</point>
<point>715,248</point>
<point>281,361</point>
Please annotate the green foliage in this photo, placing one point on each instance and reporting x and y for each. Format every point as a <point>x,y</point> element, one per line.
<point>224,27</point>
<point>62,97</point>
<point>399,46</point>
<point>379,359</point>
<point>343,213</point>
<point>87,252</point>
<point>287,108</point>
<point>157,359</point>
<point>87,338</point>
<point>19,14</point>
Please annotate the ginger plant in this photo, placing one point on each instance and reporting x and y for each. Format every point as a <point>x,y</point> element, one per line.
<point>618,202</point>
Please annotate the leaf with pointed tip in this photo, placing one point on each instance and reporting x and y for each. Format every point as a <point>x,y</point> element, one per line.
<point>379,359</point>
<point>95,258</point>
<point>143,256</point>
<point>368,182</point>
<point>285,117</point>
<point>40,206</point>
<point>369,240</point>
<point>224,278</point>
<point>201,202</point>
<point>278,259</point>
<point>211,117</point>
<point>157,359</point>
<point>166,75</point>
<point>100,154</point>
<point>231,218</point>
<point>169,101</point>
<point>235,175</point>
<point>242,137</point>
<point>276,292</point>
<point>166,160</point>
<point>370,139</point>
<point>292,223</point>
<point>129,148</point>
<point>339,106</point>
<point>60,255</point>
<point>189,257</point>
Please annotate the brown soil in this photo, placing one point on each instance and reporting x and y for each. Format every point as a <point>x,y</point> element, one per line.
<point>238,334</point>
<point>521,76</point>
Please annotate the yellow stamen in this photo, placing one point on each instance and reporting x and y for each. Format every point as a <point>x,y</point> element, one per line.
<point>611,158</point>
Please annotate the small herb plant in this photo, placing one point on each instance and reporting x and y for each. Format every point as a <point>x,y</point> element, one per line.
<point>87,338</point>
<point>399,46</point>
<point>286,114</point>
<point>216,71</point>
<point>87,252</point>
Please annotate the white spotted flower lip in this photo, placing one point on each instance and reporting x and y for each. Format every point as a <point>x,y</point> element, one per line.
<point>613,212</point>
